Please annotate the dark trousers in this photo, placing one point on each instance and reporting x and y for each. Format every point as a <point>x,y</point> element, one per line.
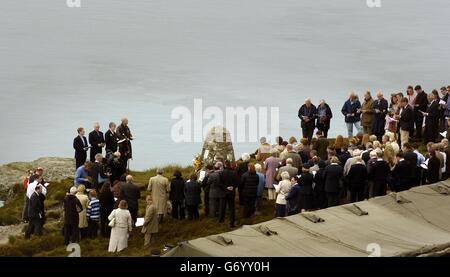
<point>333,199</point>
<point>83,233</point>
<point>357,194</point>
<point>378,189</point>
<point>71,233</point>
<point>307,132</point>
<point>105,230</point>
<point>92,228</point>
<point>192,212</point>
<point>206,202</point>
<point>280,210</point>
<point>323,128</point>
<point>79,161</point>
<point>217,206</point>
<point>34,227</point>
<point>160,218</point>
<point>178,209</point>
<point>418,122</point>
<point>249,206</point>
<point>133,213</point>
<point>320,199</point>
<point>228,201</point>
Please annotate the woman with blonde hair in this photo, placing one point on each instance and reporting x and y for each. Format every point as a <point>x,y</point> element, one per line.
<point>120,223</point>
<point>389,155</point>
<point>282,191</point>
<point>84,200</point>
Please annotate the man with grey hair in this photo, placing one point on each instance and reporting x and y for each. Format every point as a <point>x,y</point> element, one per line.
<point>130,193</point>
<point>380,109</point>
<point>97,141</point>
<point>307,114</point>
<point>217,191</point>
<point>289,168</point>
<point>351,161</point>
<point>352,113</point>
<point>159,187</point>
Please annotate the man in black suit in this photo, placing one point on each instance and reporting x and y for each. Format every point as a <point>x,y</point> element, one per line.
<point>98,173</point>
<point>406,121</point>
<point>35,215</point>
<point>402,174</point>
<point>420,106</point>
<point>432,119</point>
<point>111,139</point>
<point>80,144</point>
<point>307,114</point>
<point>97,141</point>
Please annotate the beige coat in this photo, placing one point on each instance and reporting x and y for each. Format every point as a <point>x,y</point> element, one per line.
<point>84,200</point>
<point>367,117</point>
<point>159,187</point>
<point>119,233</point>
<point>150,220</point>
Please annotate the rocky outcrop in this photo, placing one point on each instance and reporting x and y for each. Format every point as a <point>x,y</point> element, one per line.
<point>217,146</point>
<point>55,169</point>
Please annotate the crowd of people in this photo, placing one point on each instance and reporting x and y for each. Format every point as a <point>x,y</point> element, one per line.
<point>312,174</point>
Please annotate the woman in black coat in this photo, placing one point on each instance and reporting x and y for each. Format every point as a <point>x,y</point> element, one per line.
<point>106,198</point>
<point>176,195</point>
<point>357,181</point>
<point>324,116</point>
<point>249,185</point>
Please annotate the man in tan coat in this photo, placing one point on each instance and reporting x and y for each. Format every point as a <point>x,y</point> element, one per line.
<point>159,187</point>
<point>150,227</point>
<point>367,114</point>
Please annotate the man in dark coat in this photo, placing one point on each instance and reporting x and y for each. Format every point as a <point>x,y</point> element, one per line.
<point>230,180</point>
<point>333,175</point>
<point>307,114</point>
<point>72,208</point>
<point>411,157</point>
<point>206,186</point>
<point>35,214</point>
<point>378,174</point>
<point>80,144</point>
<point>176,196</point>
<point>402,174</point>
<point>320,197</point>
<point>97,141</point>
<point>111,139</point>
<point>431,119</point>
<point>406,121</point>
<point>324,116</point>
<point>379,109</point>
<point>420,106</point>
<point>293,198</point>
<point>352,113</point>
<point>130,193</point>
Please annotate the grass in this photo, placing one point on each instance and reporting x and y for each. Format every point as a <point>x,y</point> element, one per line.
<point>51,244</point>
